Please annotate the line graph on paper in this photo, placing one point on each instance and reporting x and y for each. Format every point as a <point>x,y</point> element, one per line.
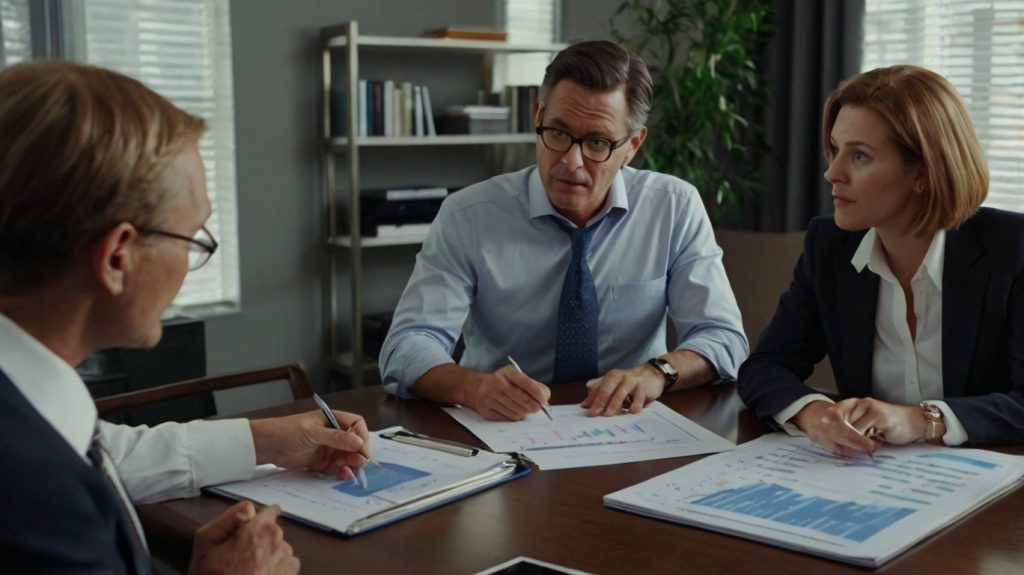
<point>572,439</point>
<point>589,433</point>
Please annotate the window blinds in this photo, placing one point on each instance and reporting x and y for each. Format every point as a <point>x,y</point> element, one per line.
<point>15,34</point>
<point>979,47</point>
<point>182,50</point>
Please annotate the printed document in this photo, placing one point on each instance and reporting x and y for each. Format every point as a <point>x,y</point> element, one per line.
<point>408,480</point>
<point>789,492</point>
<point>575,440</point>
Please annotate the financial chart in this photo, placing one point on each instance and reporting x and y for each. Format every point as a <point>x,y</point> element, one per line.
<point>572,439</point>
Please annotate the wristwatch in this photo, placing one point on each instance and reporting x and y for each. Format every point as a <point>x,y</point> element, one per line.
<point>933,415</point>
<point>666,370</point>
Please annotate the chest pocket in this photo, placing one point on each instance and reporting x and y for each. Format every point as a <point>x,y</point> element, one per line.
<point>635,311</point>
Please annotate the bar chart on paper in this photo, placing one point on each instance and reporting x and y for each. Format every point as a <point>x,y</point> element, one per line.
<point>789,492</point>
<point>575,440</point>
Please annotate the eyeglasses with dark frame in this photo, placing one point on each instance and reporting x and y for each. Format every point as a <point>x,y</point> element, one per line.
<point>594,148</point>
<point>202,249</point>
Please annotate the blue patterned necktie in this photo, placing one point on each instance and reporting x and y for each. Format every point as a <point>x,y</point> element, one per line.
<point>576,339</point>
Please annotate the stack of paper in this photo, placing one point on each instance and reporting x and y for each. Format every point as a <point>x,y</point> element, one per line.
<point>789,492</point>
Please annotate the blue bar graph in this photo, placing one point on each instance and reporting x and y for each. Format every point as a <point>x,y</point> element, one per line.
<point>379,478</point>
<point>846,519</point>
<point>960,459</point>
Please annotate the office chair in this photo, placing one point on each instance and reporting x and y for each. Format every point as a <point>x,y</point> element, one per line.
<point>294,373</point>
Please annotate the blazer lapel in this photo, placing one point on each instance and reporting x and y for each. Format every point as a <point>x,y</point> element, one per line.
<point>963,296</point>
<point>858,296</point>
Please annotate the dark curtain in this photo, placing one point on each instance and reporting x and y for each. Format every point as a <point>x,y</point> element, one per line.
<point>816,45</point>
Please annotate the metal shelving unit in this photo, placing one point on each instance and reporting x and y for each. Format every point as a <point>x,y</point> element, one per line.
<point>344,41</point>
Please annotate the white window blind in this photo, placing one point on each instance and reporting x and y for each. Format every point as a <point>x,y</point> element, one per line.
<point>182,50</point>
<point>15,33</point>
<point>529,22</point>
<point>979,47</point>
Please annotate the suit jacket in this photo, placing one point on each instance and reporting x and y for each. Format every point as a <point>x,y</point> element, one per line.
<point>58,514</point>
<point>830,308</point>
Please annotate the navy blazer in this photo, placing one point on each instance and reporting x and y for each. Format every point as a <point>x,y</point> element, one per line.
<point>830,308</point>
<point>58,514</point>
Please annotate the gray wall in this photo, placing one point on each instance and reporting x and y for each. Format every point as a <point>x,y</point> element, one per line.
<point>275,61</point>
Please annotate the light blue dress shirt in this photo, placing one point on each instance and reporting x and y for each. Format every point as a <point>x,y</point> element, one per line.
<point>493,265</point>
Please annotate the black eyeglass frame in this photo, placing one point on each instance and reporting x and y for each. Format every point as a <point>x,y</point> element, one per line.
<point>612,144</point>
<point>208,248</point>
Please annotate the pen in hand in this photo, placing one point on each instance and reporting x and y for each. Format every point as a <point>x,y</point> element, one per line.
<point>873,433</point>
<point>329,415</point>
<point>544,406</point>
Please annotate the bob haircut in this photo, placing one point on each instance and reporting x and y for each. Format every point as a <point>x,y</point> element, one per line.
<point>929,122</point>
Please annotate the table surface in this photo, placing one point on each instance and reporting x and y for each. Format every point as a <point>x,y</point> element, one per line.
<point>558,516</point>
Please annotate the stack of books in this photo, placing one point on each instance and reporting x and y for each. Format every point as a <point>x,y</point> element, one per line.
<point>466,33</point>
<point>474,120</point>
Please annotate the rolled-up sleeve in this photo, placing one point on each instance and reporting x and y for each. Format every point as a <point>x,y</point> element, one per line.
<point>700,299</point>
<point>433,307</point>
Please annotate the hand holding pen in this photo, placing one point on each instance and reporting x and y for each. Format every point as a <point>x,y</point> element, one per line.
<point>303,441</point>
<point>505,395</point>
<point>543,406</point>
<point>353,427</point>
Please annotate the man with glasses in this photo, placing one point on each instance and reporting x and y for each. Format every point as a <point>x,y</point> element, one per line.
<point>103,206</point>
<point>569,266</point>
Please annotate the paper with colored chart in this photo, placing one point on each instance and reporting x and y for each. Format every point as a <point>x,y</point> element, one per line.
<point>407,480</point>
<point>789,492</point>
<point>575,440</point>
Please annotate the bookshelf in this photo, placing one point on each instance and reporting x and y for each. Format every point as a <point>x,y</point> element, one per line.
<point>343,45</point>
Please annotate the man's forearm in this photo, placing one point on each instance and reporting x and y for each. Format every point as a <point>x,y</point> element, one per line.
<point>449,383</point>
<point>694,370</point>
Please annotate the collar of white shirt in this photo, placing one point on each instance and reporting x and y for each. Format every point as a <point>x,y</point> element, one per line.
<point>51,386</point>
<point>871,254</point>
<point>540,205</point>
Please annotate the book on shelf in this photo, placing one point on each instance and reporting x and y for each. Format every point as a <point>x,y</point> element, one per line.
<point>415,474</point>
<point>378,108</point>
<point>787,491</point>
<point>428,112</point>
<point>467,33</point>
<point>522,100</point>
<point>407,107</point>
<point>362,108</point>
<point>389,108</point>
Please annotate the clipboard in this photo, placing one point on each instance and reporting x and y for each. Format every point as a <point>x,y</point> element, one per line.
<point>417,473</point>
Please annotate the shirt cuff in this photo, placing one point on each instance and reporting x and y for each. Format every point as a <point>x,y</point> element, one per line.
<point>955,432</point>
<point>221,451</point>
<point>721,357</point>
<point>404,368</point>
<point>783,417</point>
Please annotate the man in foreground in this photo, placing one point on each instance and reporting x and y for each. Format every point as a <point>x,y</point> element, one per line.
<point>102,209</point>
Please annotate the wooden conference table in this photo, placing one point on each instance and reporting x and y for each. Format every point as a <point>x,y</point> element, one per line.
<point>557,515</point>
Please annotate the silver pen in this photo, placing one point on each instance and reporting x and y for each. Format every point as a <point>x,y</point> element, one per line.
<point>329,415</point>
<point>544,406</point>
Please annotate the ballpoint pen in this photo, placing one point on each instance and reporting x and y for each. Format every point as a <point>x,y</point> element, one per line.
<point>329,415</point>
<point>874,433</point>
<point>544,406</point>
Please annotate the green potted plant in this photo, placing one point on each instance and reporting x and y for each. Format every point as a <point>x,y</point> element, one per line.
<point>702,57</point>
